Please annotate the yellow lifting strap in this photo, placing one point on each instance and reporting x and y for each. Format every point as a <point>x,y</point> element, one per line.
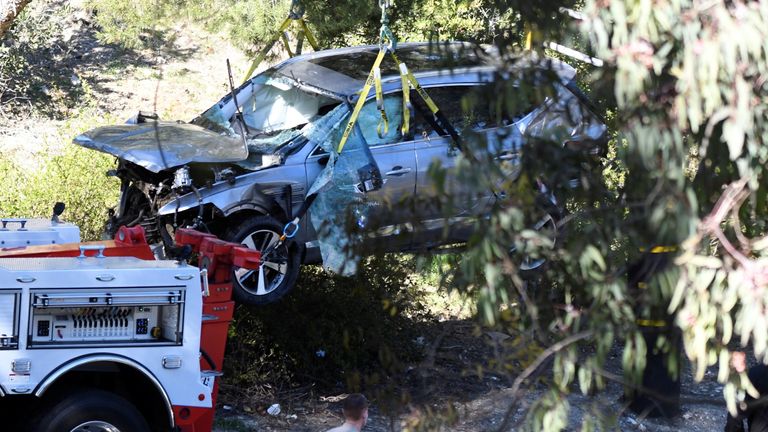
<point>415,84</point>
<point>280,34</point>
<point>383,127</point>
<point>361,100</point>
<point>406,99</point>
<point>284,37</point>
<point>408,81</point>
<point>308,34</point>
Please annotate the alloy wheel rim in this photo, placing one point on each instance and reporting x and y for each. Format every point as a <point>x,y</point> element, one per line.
<point>273,270</point>
<point>95,426</point>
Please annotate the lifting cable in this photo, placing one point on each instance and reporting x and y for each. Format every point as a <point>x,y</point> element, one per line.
<point>296,14</point>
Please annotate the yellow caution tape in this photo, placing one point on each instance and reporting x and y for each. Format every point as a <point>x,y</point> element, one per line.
<point>528,38</point>
<point>663,249</point>
<point>660,249</point>
<point>533,37</point>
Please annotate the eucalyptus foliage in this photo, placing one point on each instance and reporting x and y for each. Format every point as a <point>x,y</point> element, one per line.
<point>686,99</point>
<point>690,79</point>
<point>251,24</point>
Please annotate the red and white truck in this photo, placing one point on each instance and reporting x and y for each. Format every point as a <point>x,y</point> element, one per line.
<point>111,343</point>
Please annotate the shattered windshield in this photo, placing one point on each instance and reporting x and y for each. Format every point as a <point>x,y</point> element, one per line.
<point>275,109</point>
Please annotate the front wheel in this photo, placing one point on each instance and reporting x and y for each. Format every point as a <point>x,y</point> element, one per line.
<point>279,269</point>
<point>92,411</point>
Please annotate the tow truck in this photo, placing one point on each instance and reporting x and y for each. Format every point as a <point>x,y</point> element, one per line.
<point>101,336</point>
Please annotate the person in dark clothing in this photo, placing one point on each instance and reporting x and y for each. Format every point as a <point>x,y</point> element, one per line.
<point>756,412</point>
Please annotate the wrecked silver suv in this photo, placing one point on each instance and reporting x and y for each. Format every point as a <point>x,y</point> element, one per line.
<point>242,169</point>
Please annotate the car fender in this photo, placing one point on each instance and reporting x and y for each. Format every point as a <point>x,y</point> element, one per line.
<point>229,199</point>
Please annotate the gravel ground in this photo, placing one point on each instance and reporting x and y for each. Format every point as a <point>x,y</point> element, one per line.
<point>486,401</point>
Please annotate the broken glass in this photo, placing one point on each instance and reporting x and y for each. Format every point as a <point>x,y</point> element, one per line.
<point>279,105</point>
<point>259,147</point>
<point>564,119</point>
<point>273,108</point>
<point>370,119</point>
<point>341,209</point>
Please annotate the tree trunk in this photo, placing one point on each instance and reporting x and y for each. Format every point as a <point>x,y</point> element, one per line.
<point>9,10</point>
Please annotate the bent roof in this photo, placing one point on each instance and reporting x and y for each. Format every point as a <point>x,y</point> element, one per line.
<point>343,71</point>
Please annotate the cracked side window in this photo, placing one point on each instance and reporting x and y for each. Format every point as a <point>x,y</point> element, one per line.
<point>368,121</point>
<point>341,189</point>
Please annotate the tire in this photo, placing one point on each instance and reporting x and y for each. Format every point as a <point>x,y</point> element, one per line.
<point>549,215</point>
<point>92,411</point>
<point>281,269</point>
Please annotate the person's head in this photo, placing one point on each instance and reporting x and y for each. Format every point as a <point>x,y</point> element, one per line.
<point>355,408</point>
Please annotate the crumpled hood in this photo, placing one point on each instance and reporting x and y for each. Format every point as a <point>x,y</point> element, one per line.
<point>157,146</point>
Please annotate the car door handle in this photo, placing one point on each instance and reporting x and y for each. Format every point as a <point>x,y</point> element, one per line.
<point>508,156</point>
<point>398,171</point>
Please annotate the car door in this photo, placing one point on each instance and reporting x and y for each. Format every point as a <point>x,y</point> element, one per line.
<point>434,147</point>
<point>391,205</point>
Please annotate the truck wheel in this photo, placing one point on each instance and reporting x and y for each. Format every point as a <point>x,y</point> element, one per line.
<point>280,268</point>
<point>92,411</point>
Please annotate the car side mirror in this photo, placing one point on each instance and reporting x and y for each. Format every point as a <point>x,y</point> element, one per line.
<point>323,160</point>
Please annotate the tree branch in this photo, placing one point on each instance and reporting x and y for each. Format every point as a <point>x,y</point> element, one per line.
<point>543,357</point>
<point>9,13</point>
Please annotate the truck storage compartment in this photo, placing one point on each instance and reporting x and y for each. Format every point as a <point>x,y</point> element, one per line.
<point>27,232</point>
<point>98,317</point>
<point>9,319</point>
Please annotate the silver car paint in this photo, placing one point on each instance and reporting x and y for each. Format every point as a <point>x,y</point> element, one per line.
<point>158,146</point>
